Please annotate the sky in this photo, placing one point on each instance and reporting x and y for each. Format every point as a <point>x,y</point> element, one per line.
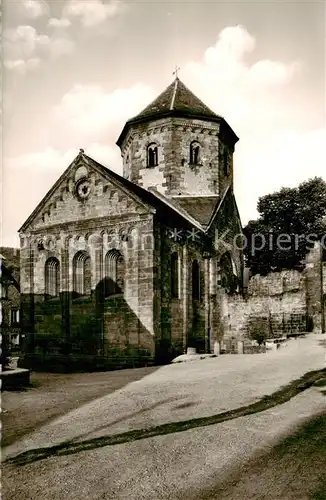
<point>75,70</point>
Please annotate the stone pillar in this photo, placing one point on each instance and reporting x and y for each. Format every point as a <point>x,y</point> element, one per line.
<point>97,252</point>
<point>185,295</point>
<point>157,280</point>
<point>323,284</point>
<point>212,304</point>
<point>217,348</point>
<point>65,293</point>
<point>212,276</point>
<point>313,282</point>
<point>207,303</point>
<point>223,312</point>
<point>145,286</point>
<point>132,277</point>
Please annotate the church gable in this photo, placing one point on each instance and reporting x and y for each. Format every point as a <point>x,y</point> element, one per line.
<point>226,230</point>
<point>84,191</point>
<point>226,219</point>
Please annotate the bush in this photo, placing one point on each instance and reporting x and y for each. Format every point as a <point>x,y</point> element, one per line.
<point>258,330</point>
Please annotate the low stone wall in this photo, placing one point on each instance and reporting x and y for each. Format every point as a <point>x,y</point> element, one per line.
<point>14,379</point>
<point>274,306</point>
<point>234,346</point>
<point>275,283</point>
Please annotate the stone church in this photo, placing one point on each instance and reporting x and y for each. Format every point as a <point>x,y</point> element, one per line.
<point>131,267</point>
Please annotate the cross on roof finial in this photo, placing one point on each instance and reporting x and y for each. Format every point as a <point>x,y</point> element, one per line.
<point>175,72</point>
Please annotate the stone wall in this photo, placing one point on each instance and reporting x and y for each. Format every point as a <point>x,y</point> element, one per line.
<point>314,274</point>
<point>275,284</point>
<point>283,313</point>
<point>279,304</point>
<point>108,219</point>
<point>45,316</point>
<point>181,320</point>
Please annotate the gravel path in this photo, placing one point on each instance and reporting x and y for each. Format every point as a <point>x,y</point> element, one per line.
<point>55,394</point>
<point>175,465</point>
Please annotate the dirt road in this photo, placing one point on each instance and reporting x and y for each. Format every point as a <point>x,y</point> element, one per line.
<point>183,431</point>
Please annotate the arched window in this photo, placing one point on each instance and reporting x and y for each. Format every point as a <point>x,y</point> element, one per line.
<point>229,280</point>
<point>152,155</point>
<point>114,272</point>
<point>195,280</point>
<point>174,275</point>
<point>194,153</point>
<point>52,277</point>
<point>82,273</point>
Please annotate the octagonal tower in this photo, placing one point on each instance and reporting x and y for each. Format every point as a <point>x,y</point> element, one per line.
<point>178,146</point>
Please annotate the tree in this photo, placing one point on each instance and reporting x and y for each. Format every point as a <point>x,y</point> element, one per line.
<point>289,223</point>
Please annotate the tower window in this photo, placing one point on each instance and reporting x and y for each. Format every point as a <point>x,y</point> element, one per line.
<point>14,316</point>
<point>194,153</point>
<point>152,155</point>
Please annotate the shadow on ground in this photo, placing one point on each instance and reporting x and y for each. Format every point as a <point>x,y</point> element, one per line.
<point>279,397</point>
<point>293,469</point>
<point>126,417</point>
<point>52,395</point>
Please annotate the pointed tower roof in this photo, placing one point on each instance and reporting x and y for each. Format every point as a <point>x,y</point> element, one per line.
<point>176,97</point>
<point>175,100</point>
